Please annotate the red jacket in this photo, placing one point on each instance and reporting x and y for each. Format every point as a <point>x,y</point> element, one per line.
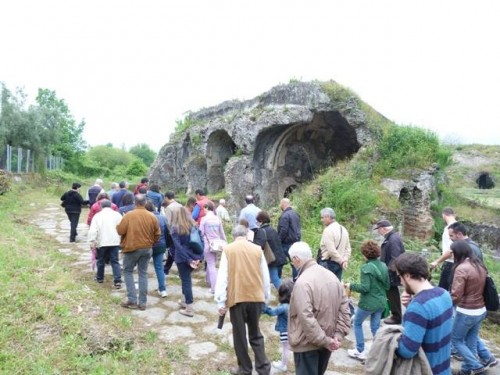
<point>96,207</point>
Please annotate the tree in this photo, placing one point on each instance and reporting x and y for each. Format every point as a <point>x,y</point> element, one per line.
<point>143,152</point>
<point>60,132</point>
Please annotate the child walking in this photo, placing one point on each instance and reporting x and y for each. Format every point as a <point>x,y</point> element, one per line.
<point>281,312</point>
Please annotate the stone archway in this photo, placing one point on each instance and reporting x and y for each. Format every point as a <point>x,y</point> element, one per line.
<point>220,147</point>
<point>290,155</point>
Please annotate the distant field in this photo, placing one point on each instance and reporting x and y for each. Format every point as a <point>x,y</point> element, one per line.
<point>485,197</point>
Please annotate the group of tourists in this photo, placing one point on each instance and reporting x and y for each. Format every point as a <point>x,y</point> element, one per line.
<point>314,311</point>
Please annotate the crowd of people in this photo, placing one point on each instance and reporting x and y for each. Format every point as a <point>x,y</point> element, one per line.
<point>314,313</point>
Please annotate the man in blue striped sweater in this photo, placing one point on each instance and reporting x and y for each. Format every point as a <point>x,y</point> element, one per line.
<point>427,322</point>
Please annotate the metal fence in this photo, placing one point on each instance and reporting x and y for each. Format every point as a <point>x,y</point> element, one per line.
<point>20,160</point>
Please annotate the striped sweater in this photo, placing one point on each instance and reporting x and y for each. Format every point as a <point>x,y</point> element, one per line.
<point>428,322</point>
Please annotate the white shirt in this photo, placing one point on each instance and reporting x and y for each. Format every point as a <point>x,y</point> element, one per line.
<point>446,241</point>
<point>220,295</point>
<point>222,213</point>
<point>103,228</point>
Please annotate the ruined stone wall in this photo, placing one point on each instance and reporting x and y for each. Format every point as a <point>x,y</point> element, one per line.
<point>265,146</point>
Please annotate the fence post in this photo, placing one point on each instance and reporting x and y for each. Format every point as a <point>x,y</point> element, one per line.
<point>9,158</point>
<point>27,161</point>
<point>19,159</point>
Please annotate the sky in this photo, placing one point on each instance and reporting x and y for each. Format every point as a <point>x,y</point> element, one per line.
<point>131,69</point>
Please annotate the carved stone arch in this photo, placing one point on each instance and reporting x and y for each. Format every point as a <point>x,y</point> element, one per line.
<point>291,154</point>
<point>220,148</point>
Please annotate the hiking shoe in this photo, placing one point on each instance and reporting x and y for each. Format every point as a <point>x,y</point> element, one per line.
<point>492,362</point>
<point>182,305</point>
<point>188,311</point>
<point>163,293</point>
<point>129,305</point>
<point>118,285</point>
<point>99,281</point>
<point>392,320</point>
<point>142,307</point>
<point>279,367</point>
<point>355,354</point>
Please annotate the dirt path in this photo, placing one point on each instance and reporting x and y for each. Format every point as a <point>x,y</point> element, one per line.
<point>204,342</point>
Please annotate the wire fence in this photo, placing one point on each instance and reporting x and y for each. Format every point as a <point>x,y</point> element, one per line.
<point>20,160</point>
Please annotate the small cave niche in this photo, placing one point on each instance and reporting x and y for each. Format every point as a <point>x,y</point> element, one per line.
<point>220,148</point>
<point>289,190</point>
<point>485,181</point>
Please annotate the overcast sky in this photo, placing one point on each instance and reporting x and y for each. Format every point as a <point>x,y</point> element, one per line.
<point>130,69</point>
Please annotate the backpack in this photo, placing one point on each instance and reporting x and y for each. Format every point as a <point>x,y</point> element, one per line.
<point>490,295</point>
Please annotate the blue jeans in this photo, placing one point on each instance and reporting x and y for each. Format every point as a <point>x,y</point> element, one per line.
<point>130,260</point>
<point>464,338</point>
<point>160,275</point>
<point>110,252</point>
<point>185,271</point>
<point>274,275</point>
<point>359,317</point>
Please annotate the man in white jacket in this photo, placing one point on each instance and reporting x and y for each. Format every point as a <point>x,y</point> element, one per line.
<point>103,235</point>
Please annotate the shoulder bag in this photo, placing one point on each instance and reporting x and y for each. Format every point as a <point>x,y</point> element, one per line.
<point>268,252</point>
<point>195,241</point>
<point>490,295</point>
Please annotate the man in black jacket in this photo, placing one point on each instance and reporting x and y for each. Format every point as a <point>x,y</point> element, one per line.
<point>392,247</point>
<point>72,202</point>
<point>289,230</point>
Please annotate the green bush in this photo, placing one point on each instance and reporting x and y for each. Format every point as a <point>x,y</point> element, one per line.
<point>406,147</point>
<point>137,168</point>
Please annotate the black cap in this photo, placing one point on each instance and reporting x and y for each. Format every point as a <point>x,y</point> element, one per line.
<point>382,224</point>
<point>76,185</point>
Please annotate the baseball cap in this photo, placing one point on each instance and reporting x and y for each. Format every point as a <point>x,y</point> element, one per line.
<point>382,224</point>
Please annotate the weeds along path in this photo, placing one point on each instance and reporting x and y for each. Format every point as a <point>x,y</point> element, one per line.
<point>194,345</point>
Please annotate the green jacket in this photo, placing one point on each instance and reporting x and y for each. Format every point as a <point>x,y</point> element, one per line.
<point>373,286</point>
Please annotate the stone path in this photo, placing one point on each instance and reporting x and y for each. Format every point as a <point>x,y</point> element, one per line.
<point>203,340</point>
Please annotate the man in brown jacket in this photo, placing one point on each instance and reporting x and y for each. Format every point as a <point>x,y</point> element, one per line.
<point>139,229</point>
<point>318,317</point>
<point>243,286</point>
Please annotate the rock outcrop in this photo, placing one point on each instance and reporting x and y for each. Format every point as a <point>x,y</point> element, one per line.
<point>266,146</point>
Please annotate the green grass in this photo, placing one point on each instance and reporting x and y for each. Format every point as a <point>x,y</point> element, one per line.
<point>51,322</point>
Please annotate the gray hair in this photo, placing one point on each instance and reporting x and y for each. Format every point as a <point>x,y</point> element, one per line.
<point>99,181</point>
<point>328,212</point>
<point>239,231</point>
<point>222,201</point>
<point>105,203</point>
<point>300,250</point>
<point>114,185</point>
<point>140,200</point>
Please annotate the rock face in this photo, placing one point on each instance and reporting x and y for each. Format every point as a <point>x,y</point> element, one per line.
<point>266,146</point>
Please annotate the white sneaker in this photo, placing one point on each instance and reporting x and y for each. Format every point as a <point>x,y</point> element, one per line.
<point>279,367</point>
<point>355,354</point>
<point>163,293</point>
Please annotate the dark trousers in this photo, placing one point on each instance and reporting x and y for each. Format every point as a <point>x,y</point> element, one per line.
<point>314,362</point>
<point>445,279</point>
<point>170,260</point>
<point>286,247</point>
<point>111,253</point>
<point>246,315</point>
<point>332,266</point>
<point>394,302</point>
<point>185,271</point>
<point>73,217</point>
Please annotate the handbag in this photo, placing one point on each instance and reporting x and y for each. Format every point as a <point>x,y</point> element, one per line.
<point>490,295</point>
<point>196,241</point>
<point>268,252</point>
<point>216,245</point>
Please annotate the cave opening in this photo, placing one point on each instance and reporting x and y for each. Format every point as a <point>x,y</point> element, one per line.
<point>220,148</point>
<point>292,154</point>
